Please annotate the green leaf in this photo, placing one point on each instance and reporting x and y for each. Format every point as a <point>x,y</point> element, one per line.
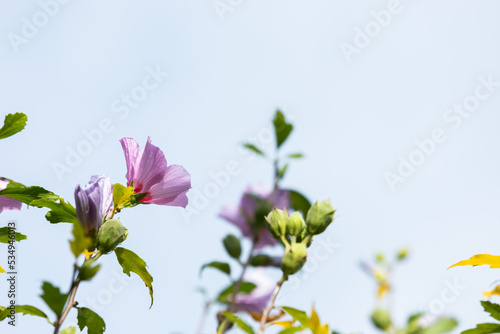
<point>5,236</point>
<point>282,171</point>
<point>487,328</point>
<point>87,271</point>
<point>222,266</point>
<point>298,315</point>
<point>28,194</point>
<point>292,330</point>
<point>25,310</point>
<point>233,246</point>
<point>121,194</point>
<point>88,318</point>
<point>13,124</point>
<point>53,297</point>
<point>281,127</point>
<point>299,202</point>
<point>69,330</point>
<point>80,241</point>
<point>224,295</point>
<point>492,308</point>
<point>130,262</point>
<point>261,260</point>
<point>62,212</point>
<point>296,156</point>
<point>443,325</point>
<point>254,149</point>
<point>239,322</point>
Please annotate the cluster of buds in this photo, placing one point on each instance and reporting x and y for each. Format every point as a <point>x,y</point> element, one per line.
<point>296,234</point>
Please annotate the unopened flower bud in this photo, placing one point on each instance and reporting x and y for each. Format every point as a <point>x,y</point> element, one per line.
<point>111,234</point>
<point>294,259</point>
<point>381,319</point>
<point>296,224</point>
<point>320,215</point>
<point>402,254</point>
<point>278,220</point>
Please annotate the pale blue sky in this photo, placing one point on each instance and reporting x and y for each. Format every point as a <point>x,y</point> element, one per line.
<point>226,77</point>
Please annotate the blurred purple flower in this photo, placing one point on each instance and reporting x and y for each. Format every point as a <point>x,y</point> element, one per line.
<point>93,201</point>
<point>258,299</point>
<point>147,169</point>
<point>243,215</point>
<point>5,202</point>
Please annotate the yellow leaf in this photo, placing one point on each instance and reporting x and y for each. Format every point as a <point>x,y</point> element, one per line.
<point>284,324</point>
<point>494,292</point>
<point>314,322</point>
<point>383,289</point>
<point>481,259</point>
<point>323,330</point>
<point>2,270</point>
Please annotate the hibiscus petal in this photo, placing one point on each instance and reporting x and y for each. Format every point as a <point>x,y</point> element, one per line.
<point>172,189</point>
<point>9,204</point>
<point>131,150</point>
<point>232,214</point>
<point>152,168</point>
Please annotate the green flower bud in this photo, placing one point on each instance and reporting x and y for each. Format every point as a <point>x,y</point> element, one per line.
<point>294,259</point>
<point>379,257</point>
<point>402,254</point>
<point>381,319</point>
<point>111,234</point>
<point>320,215</point>
<point>296,224</point>
<point>278,220</point>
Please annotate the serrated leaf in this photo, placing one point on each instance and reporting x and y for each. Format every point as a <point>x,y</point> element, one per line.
<point>131,262</point>
<point>298,315</point>
<point>28,194</point>
<point>233,246</point>
<point>299,202</point>
<point>80,241</point>
<point>254,149</point>
<point>224,295</point>
<point>239,322</point>
<point>88,271</point>
<point>492,308</point>
<point>5,236</point>
<point>24,310</point>
<point>481,259</point>
<point>69,330</point>
<point>12,124</point>
<point>443,325</point>
<point>53,297</point>
<point>281,128</point>
<point>487,328</point>
<point>62,212</point>
<point>222,266</point>
<point>88,318</point>
<point>121,194</point>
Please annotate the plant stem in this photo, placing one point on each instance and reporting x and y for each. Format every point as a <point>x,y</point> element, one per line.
<point>270,306</point>
<point>201,324</point>
<point>75,283</point>
<point>71,301</point>
<point>237,285</point>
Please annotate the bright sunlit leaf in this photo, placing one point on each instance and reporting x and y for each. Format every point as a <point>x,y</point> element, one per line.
<point>481,259</point>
